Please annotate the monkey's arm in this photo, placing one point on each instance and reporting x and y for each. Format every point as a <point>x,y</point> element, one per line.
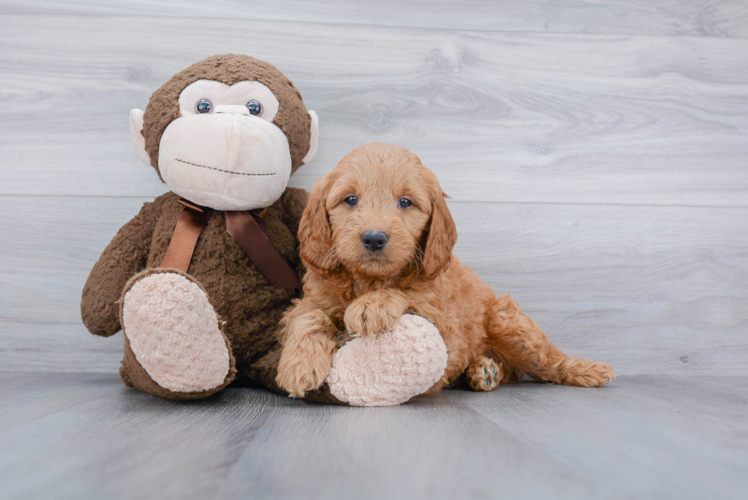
<point>126,255</point>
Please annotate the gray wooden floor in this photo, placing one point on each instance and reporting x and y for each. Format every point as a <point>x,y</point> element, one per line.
<point>596,152</point>
<point>86,436</point>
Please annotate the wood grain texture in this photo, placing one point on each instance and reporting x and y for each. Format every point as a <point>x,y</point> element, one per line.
<point>599,171</point>
<point>498,116</point>
<point>600,179</point>
<point>648,289</point>
<point>77,436</point>
<point>718,18</point>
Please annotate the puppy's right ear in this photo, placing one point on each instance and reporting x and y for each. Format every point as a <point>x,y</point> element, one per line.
<point>315,234</point>
<point>442,236</point>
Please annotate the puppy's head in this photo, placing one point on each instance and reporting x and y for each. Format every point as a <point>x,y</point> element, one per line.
<point>380,213</point>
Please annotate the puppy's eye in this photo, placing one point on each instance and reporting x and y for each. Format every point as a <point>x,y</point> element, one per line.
<point>404,203</point>
<point>351,201</point>
<point>204,106</point>
<point>254,107</point>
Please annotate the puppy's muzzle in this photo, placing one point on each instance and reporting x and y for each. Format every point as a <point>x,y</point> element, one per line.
<point>374,241</point>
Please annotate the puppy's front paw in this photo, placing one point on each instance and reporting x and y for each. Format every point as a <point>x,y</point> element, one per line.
<point>305,364</point>
<point>373,313</point>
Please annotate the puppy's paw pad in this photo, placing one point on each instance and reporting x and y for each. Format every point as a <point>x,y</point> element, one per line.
<point>173,332</point>
<point>483,374</point>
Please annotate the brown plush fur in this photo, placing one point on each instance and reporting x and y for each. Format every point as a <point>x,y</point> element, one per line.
<point>292,117</point>
<point>238,292</point>
<point>134,375</point>
<point>248,307</point>
<point>348,287</point>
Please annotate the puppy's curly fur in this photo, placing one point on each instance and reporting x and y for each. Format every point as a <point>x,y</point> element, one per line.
<point>348,286</point>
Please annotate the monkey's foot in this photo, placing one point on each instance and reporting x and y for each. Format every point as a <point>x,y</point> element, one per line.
<point>173,332</point>
<point>391,367</point>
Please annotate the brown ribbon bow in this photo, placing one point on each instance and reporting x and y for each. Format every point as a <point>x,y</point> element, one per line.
<point>244,229</point>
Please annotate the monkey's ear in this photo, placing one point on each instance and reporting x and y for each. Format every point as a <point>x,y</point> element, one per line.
<point>313,139</point>
<point>136,129</point>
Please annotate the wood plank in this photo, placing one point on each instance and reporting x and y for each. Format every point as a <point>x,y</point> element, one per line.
<point>680,438</point>
<point>499,116</point>
<point>650,289</point>
<point>252,437</point>
<point>433,449</point>
<point>662,286</point>
<point>31,396</point>
<point>722,18</point>
<point>129,443</point>
<point>637,438</point>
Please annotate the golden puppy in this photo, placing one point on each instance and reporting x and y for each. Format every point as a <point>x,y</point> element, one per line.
<point>377,239</point>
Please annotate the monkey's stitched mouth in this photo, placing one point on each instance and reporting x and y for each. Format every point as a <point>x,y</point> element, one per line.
<point>220,169</point>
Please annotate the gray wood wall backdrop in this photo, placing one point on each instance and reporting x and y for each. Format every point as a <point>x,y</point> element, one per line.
<point>596,152</point>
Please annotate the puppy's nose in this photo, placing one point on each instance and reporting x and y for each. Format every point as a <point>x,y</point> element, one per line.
<point>374,240</point>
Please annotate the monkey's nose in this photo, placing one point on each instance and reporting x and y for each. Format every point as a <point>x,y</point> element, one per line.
<point>374,241</point>
<point>233,109</point>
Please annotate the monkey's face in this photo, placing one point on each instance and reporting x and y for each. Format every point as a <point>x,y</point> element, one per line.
<point>224,148</point>
<point>224,151</point>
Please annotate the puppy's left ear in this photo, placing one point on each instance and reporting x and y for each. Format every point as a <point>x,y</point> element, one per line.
<point>441,238</point>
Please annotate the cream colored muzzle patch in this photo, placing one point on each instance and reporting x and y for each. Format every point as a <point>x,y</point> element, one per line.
<point>225,161</point>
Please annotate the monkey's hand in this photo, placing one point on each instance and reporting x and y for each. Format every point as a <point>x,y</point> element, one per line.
<point>375,311</point>
<point>123,258</point>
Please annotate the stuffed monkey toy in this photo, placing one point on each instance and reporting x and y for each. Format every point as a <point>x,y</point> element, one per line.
<point>199,280</point>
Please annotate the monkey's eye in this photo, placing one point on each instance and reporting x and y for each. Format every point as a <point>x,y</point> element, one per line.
<point>404,203</point>
<point>351,201</point>
<point>254,107</point>
<point>204,106</point>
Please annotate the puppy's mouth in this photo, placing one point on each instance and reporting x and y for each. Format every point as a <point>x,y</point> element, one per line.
<point>374,256</point>
<point>367,263</point>
<point>221,169</point>
<point>374,264</point>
